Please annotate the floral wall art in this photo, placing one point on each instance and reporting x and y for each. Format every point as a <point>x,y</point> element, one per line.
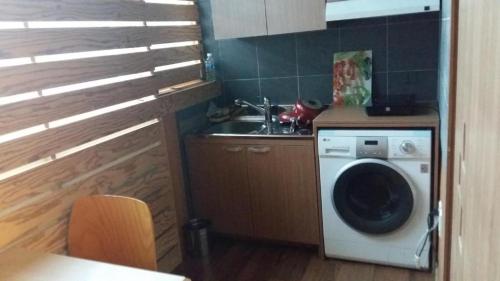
<point>352,78</point>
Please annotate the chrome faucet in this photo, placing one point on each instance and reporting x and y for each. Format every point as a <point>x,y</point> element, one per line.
<point>264,110</point>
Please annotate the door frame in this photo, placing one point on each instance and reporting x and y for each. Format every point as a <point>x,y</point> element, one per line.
<point>446,183</point>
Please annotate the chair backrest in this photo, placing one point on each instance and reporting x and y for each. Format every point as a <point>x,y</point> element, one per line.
<point>113,229</point>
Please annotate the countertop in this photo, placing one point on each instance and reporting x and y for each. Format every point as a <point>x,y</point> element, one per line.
<point>23,265</point>
<point>252,136</point>
<point>357,117</point>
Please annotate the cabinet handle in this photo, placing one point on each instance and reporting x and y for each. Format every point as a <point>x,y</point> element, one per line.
<point>265,149</point>
<point>233,148</point>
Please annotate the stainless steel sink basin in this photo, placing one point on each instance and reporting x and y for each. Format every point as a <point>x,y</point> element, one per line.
<point>251,127</point>
<point>237,128</point>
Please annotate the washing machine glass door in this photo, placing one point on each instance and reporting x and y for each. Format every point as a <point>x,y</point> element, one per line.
<point>373,196</point>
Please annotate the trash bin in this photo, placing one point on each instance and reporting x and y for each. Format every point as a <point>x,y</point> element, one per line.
<point>197,239</point>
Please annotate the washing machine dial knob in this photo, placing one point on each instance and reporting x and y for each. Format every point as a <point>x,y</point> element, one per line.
<point>408,147</point>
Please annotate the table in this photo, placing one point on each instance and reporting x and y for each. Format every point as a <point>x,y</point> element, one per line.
<point>23,265</point>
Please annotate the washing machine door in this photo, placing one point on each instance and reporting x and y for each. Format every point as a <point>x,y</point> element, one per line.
<point>373,196</point>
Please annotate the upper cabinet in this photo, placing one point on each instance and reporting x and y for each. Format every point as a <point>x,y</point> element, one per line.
<point>239,18</point>
<point>246,18</point>
<point>355,9</point>
<point>287,16</point>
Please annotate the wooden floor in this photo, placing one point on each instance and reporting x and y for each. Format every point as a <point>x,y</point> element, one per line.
<point>251,261</point>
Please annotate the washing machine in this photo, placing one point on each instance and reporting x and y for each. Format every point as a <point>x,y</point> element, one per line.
<point>376,195</point>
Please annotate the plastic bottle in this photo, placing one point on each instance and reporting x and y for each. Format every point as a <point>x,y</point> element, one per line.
<point>209,68</point>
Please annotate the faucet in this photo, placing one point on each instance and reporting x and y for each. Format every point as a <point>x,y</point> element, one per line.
<point>264,110</point>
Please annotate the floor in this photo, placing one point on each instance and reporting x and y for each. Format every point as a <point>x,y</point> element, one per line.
<point>252,261</point>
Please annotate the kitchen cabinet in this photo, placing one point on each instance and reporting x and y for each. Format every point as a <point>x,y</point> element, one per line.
<point>282,182</point>
<point>219,184</point>
<point>238,18</point>
<point>298,178</point>
<point>267,195</point>
<point>241,18</point>
<point>287,16</point>
<point>271,183</point>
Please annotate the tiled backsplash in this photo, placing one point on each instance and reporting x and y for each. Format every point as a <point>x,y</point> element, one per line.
<point>291,66</point>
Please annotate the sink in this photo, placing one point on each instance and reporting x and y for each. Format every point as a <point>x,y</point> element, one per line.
<point>250,126</point>
<point>236,128</point>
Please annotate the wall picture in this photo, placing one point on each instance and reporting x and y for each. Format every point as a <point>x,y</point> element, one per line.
<point>352,78</point>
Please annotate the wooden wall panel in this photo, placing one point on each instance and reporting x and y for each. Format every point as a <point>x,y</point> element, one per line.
<point>43,172</point>
<point>72,10</point>
<point>22,152</point>
<point>92,10</point>
<point>23,220</point>
<point>167,263</point>
<point>167,242</point>
<point>173,77</point>
<point>170,34</point>
<point>156,201</point>
<point>34,77</point>
<point>35,42</point>
<point>475,248</point>
<point>51,195</point>
<point>52,238</point>
<point>50,108</point>
<point>156,12</point>
<point>182,99</point>
<point>141,176</point>
<point>22,79</point>
<point>164,221</point>
<point>42,182</point>
<point>45,109</point>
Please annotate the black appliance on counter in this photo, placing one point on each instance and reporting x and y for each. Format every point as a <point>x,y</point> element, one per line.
<point>393,105</point>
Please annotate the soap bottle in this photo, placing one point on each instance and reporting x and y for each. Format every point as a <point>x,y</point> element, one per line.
<point>209,68</point>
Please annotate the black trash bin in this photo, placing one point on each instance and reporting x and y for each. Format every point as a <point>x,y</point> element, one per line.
<point>197,237</point>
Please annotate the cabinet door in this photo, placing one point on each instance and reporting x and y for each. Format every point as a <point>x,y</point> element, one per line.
<point>268,195</point>
<point>202,179</point>
<point>299,184</point>
<point>238,18</point>
<point>282,183</point>
<point>219,186</point>
<point>287,16</point>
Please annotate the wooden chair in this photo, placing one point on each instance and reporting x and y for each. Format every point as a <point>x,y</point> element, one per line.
<point>113,229</point>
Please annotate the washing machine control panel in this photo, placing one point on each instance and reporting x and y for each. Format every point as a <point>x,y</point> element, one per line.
<point>375,144</point>
<point>404,147</point>
<point>371,147</point>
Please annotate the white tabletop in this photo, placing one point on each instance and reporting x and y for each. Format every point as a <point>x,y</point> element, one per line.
<point>22,265</point>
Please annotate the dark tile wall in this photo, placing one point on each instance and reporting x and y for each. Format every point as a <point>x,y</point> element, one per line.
<point>291,66</point>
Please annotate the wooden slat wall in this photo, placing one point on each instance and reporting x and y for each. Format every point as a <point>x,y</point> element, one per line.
<point>56,41</point>
<point>94,10</point>
<point>36,196</point>
<point>27,78</point>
